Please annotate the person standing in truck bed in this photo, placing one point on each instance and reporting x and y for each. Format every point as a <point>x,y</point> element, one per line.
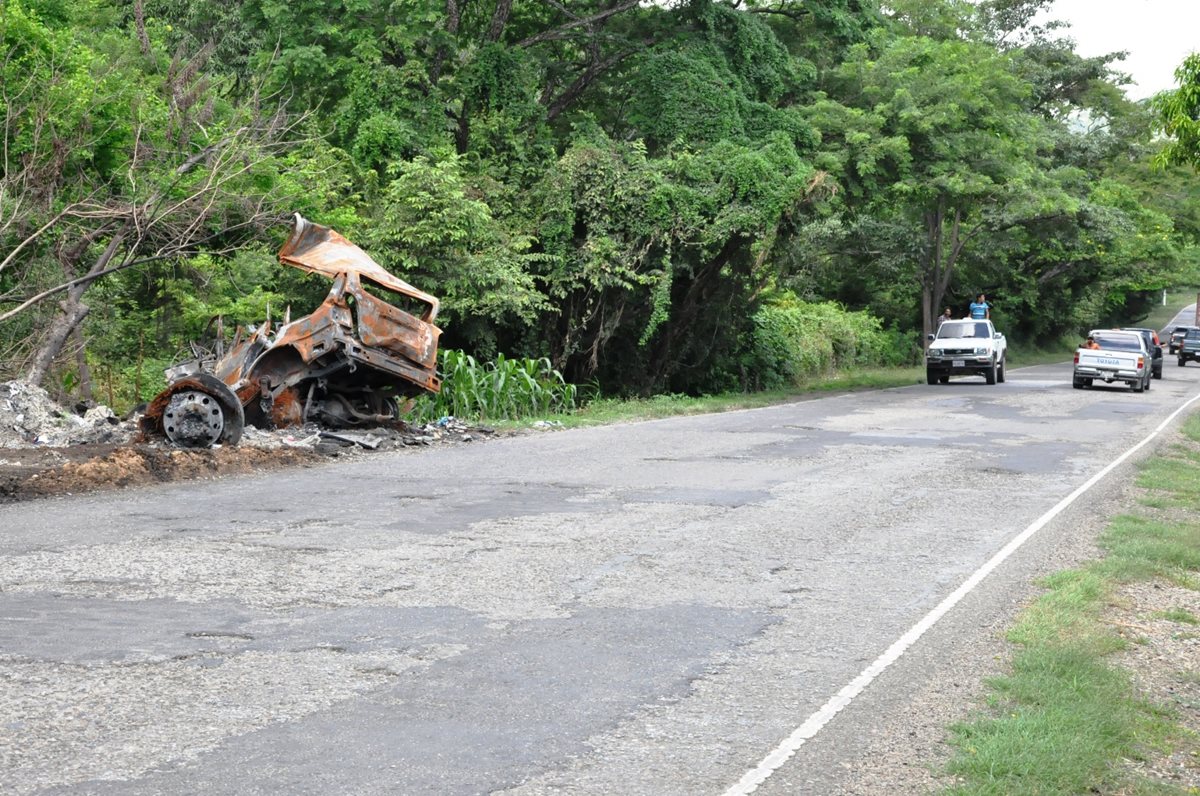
<point>980,310</point>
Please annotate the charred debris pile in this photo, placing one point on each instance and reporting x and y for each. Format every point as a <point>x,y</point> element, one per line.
<point>342,376</point>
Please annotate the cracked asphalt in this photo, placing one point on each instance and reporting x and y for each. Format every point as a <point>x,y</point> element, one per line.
<point>639,608</point>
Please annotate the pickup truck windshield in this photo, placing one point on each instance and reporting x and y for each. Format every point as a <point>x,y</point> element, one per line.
<point>955,329</point>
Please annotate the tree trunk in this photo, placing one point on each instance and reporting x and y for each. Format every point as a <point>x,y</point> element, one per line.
<point>72,313</point>
<point>930,275</point>
<point>139,18</point>
<point>81,363</point>
<point>499,19</point>
<point>938,265</point>
<point>453,17</point>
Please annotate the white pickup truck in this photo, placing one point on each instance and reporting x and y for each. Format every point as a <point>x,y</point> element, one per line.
<point>966,348</point>
<point>1121,357</point>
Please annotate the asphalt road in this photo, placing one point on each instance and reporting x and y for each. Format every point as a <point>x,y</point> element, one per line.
<point>642,608</point>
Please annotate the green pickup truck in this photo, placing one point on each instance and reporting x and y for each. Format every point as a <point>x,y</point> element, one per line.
<point>1189,347</point>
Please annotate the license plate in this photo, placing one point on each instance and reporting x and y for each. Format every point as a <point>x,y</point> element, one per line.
<point>959,363</point>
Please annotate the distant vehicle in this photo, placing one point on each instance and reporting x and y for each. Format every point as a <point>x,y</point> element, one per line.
<point>1176,335</point>
<point>966,348</point>
<point>1152,345</point>
<point>1189,347</point>
<point>1122,357</point>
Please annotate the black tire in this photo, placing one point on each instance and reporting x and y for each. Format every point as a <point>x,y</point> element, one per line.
<point>1181,361</point>
<point>930,377</point>
<point>1000,371</point>
<point>1087,382</point>
<point>1077,383</point>
<point>1149,381</point>
<point>945,379</point>
<point>1157,373</point>
<point>1138,385</point>
<point>990,376</point>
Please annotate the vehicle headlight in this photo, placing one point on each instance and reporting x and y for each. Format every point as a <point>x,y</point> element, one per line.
<point>932,354</point>
<point>981,350</point>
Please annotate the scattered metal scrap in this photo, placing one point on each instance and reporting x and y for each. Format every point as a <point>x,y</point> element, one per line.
<point>370,346</point>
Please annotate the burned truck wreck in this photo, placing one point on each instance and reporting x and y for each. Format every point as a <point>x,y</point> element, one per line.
<point>370,346</point>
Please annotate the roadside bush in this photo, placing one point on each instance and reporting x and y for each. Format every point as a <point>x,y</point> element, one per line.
<point>505,389</point>
<point>792,340</point>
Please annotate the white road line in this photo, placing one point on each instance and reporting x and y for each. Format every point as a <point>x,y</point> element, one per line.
<point>813,724</point>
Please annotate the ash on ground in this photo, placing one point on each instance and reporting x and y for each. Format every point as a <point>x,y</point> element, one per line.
<point>28,416</point>
<point>47,449</point>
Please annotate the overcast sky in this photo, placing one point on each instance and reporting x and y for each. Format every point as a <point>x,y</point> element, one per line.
<point>1158,35</point>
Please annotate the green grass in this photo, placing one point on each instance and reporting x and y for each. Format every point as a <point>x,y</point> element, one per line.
<point>1180,615</point>
<point>1172,479</point>
<point>1065,717</point>
<point>613,410</point>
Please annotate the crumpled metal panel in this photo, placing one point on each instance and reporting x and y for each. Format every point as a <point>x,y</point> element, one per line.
<point>320,250</point>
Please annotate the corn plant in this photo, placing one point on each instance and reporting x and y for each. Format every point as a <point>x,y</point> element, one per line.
<point>506,389</point>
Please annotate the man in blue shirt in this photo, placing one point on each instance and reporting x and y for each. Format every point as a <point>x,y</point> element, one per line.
<point>980,309</point>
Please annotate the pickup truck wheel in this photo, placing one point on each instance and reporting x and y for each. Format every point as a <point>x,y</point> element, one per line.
<point>1000,372</point>
<point>1181,361</point>
<point>991,374</point>
<point>931,377</point>
<point>1138,385</point>
<point>1149,381</point>
<point>1077,383</point>
<point>944,378</point>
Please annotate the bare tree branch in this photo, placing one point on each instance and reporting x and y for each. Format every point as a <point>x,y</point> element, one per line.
<point>561,30</point>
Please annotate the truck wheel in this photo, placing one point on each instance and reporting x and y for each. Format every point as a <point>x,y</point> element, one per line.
<point>196,411</point>
<point>931,377</point>
<point>1077,383</point>
<point>1000,372</point>
<point>991,374</point>
<point>1087,382</point>
<point>1149,381</point>
<point>1181,361</point>
<point>945,378</point>
<point>1138,385</point>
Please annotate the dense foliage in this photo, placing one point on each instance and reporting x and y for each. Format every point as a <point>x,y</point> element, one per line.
<point>679,196</point>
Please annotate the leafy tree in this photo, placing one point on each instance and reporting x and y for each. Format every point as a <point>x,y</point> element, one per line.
<point>115,165</point>
<point>935,139</point>
<point>1179,115</point>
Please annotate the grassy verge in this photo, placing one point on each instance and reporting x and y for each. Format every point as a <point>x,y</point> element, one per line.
<point>612,410</point>
<point>1066,718</point>
<point>1176,300</point>
<point>1023,356</point>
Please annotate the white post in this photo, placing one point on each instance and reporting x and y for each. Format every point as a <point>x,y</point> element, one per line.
<point>1164,297</point>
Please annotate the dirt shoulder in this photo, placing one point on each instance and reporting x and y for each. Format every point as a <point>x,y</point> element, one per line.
<point>27,473</point>
<point>48,450</point>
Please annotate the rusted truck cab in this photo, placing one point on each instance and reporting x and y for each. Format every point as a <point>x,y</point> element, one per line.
<point>369,346</point>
